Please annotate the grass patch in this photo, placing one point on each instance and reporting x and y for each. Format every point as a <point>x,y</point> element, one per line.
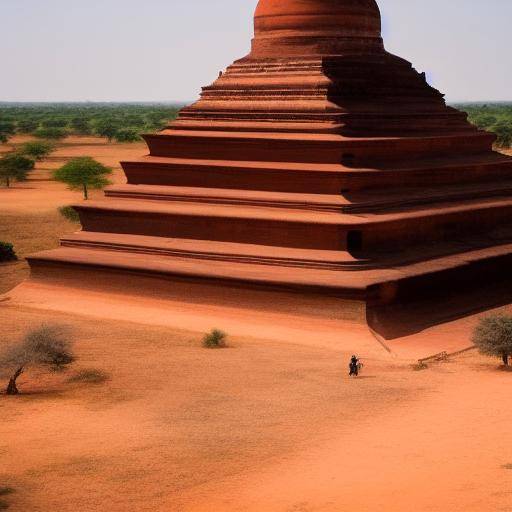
<point>68,212</point>
<point>90,376</point>
<point>215,339</point>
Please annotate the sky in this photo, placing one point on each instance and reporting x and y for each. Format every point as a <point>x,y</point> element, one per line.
<point>165,50</point>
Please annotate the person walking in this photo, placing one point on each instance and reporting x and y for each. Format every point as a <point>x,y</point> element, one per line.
<point>354,366</point>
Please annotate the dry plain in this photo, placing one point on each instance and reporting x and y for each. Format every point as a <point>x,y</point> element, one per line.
<point>270,424</point>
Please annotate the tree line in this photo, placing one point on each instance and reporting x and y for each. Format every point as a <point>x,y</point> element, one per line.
<point>114,121</point>
<point>493,117</point>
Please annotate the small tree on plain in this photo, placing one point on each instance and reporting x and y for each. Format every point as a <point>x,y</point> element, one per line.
<point>493,337</point>
<point>83,173</point>
<point>37,149</point>
<point>48,346</point>
<point>14,166</point>
<point>107,128</point>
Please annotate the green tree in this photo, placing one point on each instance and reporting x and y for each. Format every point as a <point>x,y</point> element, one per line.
<point>55,123</point>
<point>107,128</point>
<point>7,130</point>
<point>37,149</point>
<point>27,126</point>
<point>14,166</point>
<point>51,133</point>
<point>127,135</point>
<point>83,173</point>
<point>81,125</point>
<point>503,132</point>
<point>493,337</point>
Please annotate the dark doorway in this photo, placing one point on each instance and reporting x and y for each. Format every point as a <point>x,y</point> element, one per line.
<point>354,241</point>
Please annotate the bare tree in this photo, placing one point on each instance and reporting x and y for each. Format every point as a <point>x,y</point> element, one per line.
<point>48,346</point>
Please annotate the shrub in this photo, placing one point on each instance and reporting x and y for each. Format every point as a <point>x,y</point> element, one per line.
<point>215,339</point>
<point>7,252</point>
<point>37,149</point>
<point>493,337</point>
<point>27,126</point>
<point>68,212</point>
<point>55,123</point>
<point>90,376</point>
<point>127,135</point>
<point>51,133</point>
<point>81,126</point>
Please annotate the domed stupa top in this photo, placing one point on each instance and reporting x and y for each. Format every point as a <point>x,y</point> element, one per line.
<point>316,27</point>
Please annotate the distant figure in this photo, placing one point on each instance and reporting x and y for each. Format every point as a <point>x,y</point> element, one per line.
<point>355,366</point>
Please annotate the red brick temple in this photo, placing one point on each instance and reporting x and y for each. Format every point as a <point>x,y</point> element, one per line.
<point>319,174</point>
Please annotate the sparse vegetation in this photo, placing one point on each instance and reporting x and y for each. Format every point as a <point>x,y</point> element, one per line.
<point>7,252</point>
<point>48,346</point>
<point>215,339</point>
<point>419,366</point>
<point>89,376</point>
<point>68,212</point>
<point>7,130</point>
<point>51,133</point>
<point>83,173</point>
<point>83,119</point>
<point>127,135</point>
<point>494,117</point>
<point>15,167</point>
<point>493,337</point>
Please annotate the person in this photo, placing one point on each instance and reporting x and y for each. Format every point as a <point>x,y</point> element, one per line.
<point>354,366</point>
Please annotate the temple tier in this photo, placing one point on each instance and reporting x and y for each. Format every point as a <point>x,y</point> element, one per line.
<point>318,174</point>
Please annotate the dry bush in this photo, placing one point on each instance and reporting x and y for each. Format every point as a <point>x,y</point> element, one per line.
<point>90,376</point>
<point>48,346</point>
<point>215,339</point>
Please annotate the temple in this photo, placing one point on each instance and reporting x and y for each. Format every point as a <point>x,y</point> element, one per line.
<point>319,174</point>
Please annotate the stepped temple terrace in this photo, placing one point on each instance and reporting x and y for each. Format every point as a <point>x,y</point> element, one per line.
<point>319,174</point>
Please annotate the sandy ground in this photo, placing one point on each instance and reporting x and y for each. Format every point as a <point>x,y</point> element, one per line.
<point>271,424</point>
<point>260,426</point>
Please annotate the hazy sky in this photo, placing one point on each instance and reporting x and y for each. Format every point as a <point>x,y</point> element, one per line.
<point>164,50</point>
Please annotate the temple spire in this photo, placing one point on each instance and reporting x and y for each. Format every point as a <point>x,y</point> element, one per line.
<point>316,27</point>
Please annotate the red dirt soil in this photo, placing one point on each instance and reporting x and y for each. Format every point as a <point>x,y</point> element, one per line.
<point>272,423</point>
